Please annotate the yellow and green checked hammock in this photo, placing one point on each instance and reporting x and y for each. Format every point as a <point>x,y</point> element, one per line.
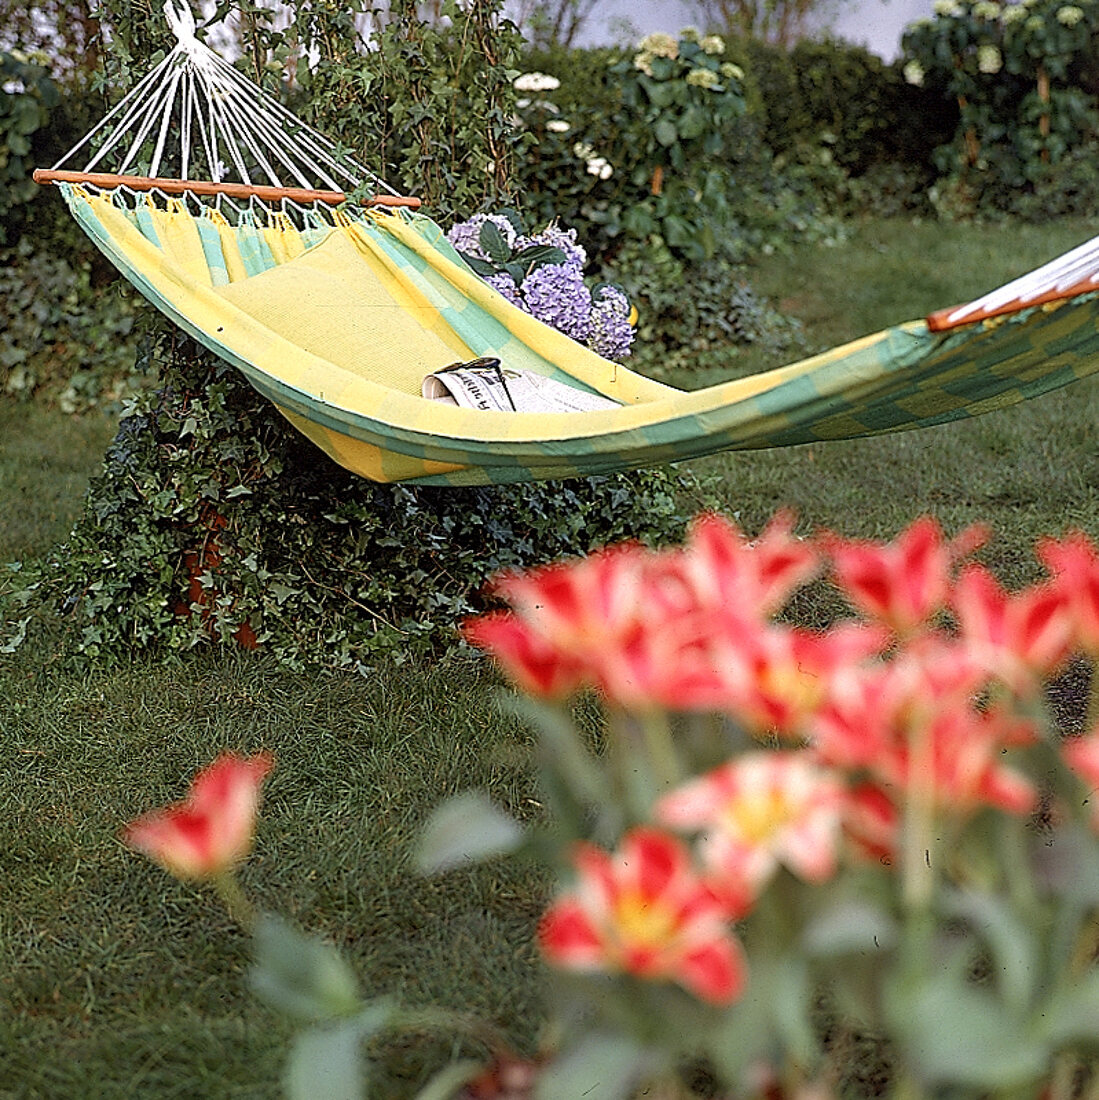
<point>336,314</point>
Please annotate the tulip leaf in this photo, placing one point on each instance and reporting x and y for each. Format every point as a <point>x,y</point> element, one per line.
<point>1014,951</point>
<point>849,927</point>
<point>747,1033</point>
<point>598,1067</point>
<point>564,752</point>
<point>1072,1015</point>
<point>300,976</point>
<point>463,830</point>
<point>958,1034</point>
<point>446,1083</point>
<point>327,1061</point>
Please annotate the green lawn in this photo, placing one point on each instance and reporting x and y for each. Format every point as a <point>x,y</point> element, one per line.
<point>119,982</point>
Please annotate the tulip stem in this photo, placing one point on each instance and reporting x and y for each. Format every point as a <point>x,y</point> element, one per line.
<point>236,901</point>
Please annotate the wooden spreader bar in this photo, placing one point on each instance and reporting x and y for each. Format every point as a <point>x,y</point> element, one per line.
<point>942,320</point>
<point>206,187</point>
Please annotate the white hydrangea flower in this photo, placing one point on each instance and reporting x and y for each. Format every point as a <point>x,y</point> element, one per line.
<point>987,9</point>
<point>690,34</point>
<point>659,44</point>
<point>643,62</point>
<point>1035,23</point>
<point>583,151</point>
<point>989,59</point>
<point>947,8</point>
<point>731,71</point>
<point>536,82</point>
<point>713,44</point>
<point>558,126</point>
<point>1069,15</point>
<point>601,167</point>
<point>914,74</point>
<point>1014,13</point>
<point>703,78</point>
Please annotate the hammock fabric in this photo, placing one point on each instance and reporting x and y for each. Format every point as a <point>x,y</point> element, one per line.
<point>336,314</point>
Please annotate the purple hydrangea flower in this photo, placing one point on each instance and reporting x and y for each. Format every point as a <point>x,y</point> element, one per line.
<point>556,294</point>
<point>505,284</point>
<point>610,334</point>
<point>466,236</point>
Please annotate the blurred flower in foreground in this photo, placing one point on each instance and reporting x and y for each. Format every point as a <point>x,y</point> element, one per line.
<point>643,911</point>
<point>758,811</point>
<point>903,583</point>
<point>210,831</point>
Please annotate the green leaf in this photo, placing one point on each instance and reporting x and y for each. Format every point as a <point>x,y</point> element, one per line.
<point>466,829</point>
<point>954,1033</point>
<point>746,1033</point>
<point>492,241</point>
<point>598,1067</point>
<point>300,976</point>
<point>660,95</point>
<point>1014,951</point>
<point>446,1083</point>
<point>1072,1014</point>
<point>849,927</point>
<point>678,232</point>
<point>479,266</point>
<point>692,124</point>
<point>538,254</point>
<point>327,1062</point>
<point>665,132</point>
<point>563,750</point>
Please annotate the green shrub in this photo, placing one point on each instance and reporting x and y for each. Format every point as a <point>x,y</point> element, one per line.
<point>27,95</point>
<point>66,339</point>
<point>692,317</point>
<point>848,98</point>
<point>1023,78</point>
<point>214,523</point>
<point>1067,189</point>
<point>651,158</point>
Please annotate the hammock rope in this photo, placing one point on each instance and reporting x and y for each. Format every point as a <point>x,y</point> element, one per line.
<point>242,132</point>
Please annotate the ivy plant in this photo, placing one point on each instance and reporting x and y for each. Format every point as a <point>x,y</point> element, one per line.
<point>214,523</point>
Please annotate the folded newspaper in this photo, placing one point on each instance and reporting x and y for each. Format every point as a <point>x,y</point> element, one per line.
<point>485,384</point>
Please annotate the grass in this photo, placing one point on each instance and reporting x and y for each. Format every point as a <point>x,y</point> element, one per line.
<point>116,981</point>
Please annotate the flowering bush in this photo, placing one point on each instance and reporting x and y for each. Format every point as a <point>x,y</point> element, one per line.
<point>1019,74</point>
<point>647,159</point>
<point>791,841</point>
<point>543,274</point>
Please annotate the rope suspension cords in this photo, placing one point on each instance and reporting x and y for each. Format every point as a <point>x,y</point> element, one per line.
<point>195,126</point>
<point>228,213</point>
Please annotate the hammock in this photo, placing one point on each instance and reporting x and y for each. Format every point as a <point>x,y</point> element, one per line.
<point>336,309</point>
